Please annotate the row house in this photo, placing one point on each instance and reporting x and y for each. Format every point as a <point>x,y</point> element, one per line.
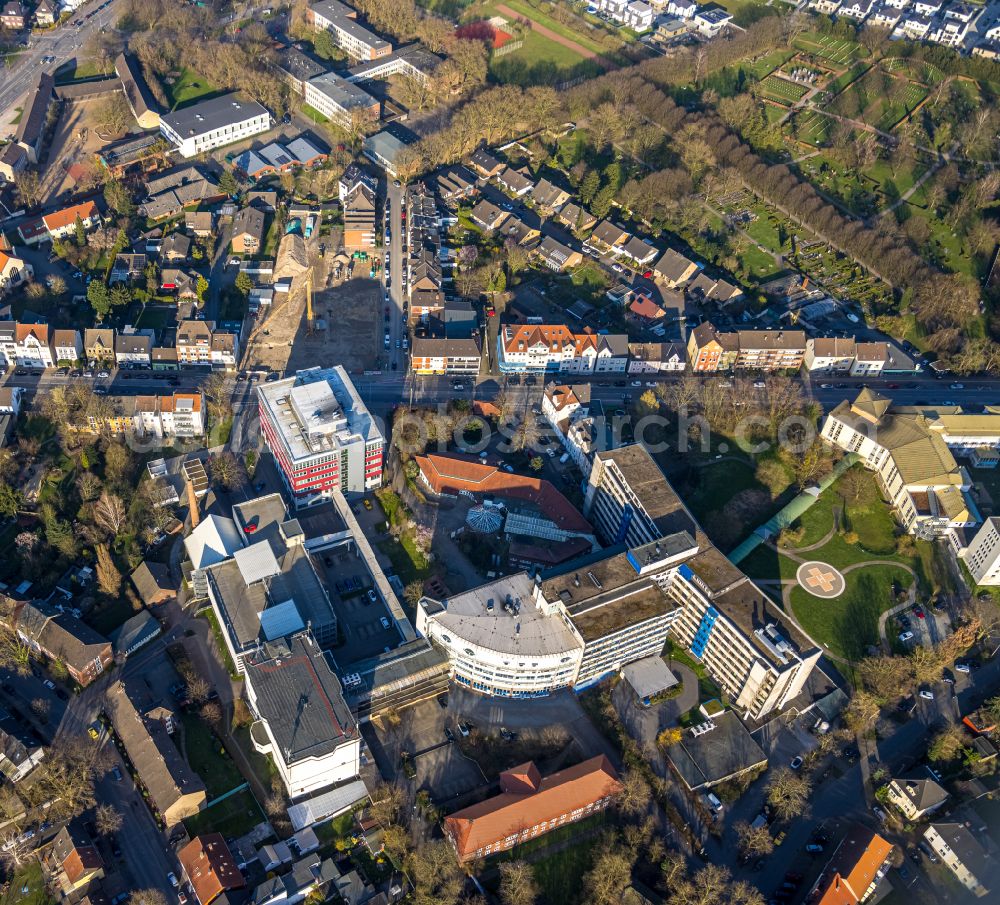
<point>656,358</point>
<point>844,355</point>
<point>133,348</point>
<point>441,355</point>
<point>359,219</point>
<point>199,343</point>
<point>99,345</point>
<point>67,347</point>
<point>25,345</point>
<point>176,415</point>
<point>59,224</point>
<point>758,350</point>
<point>674,269</point>
<point>554,347</point>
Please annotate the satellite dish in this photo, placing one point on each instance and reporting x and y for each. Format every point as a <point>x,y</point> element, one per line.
<point>483,520</point>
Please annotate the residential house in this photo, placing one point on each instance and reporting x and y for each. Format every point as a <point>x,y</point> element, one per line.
<point>359,219</point>
<point>639,251</point>
<point>199,223</point>
<point>529,806</point>
<point>75,858</point>
<point>856,9</point>
<point>45,13</point>
<point>556,256</point>
<point>13,272</point>
<point>857,865</point>
<point>549,196</point>
<point>208,865</point>
<point>487,215</point>
<point>965,856</point>
<point>683,9</point>
<point>163,358</point>
<point>248,231</point>
<point>133,348</point>
<point>67,347</point>
<point>176,415</point>
<point>711,22</point>
<point>554,347</point>
<point>485,164</point>
<point>173,789</point>
<point>225,351</point>
<point>674,269</point>
<point>771,350</point>
<point>309,875</point>
<point>652,358</point>
<point>917,794</point>
<point>264,200</point>
<point>153,583</point>
<point>13,161</point>
<point>577,218</point>
<point>20,749</point>
<point>127,268</point>
<point>32,348</point>
<point>183,283</point>
<point>353,177</point>
<point>830,354</point>
<point>520,232</point>
<point>175,247</point>
<point>62,223</point>
<point>456,182</point>
<point>515,181</point>
<point>608,235</point>
<point>14,16</point>
<point>645,312</point>
<point>872,359</point>
<point>99,345</point>
<point>63,637</point>
<point>710,350</point>
<point>445,356</point>
<point>194,341</point>
<point>706,288</point>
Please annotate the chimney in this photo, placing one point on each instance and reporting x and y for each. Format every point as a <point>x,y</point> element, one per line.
<point>192,505</point>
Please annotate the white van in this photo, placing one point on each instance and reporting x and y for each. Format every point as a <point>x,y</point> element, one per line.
<point>713,802</point>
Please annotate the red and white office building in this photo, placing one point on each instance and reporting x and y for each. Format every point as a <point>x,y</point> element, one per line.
<point>322,436</point>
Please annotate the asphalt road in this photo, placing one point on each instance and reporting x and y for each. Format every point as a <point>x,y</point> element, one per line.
<point>63,43</point>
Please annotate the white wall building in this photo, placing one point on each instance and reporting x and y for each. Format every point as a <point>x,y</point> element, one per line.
<point>982,556</point>
<point>303,722</point>
<point>554,347</point>
<point>214,123</point>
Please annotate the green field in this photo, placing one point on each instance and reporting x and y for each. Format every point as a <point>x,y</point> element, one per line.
<point>187,88</point>
<point>781,90</point>
<point>580,37</point>
<point>26,887</point>
<point>235,816</point>
<point>538,61</point>
<point>849,624</point>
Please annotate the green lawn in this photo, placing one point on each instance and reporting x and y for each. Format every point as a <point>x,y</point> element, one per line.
<point>766,64</point>
<point>538,60</point>
<point>718,483</point>
<point>208,758</point>
<point>110,615</point>
<point>839,51</point>
<point>849,624</point>
<point>558,876</point>
<point>313,114</point>
<point>572,34</point>
<point>27,887</point>
<point>188,88</point>
<point>235,816</point>
<point>220,643</point>
<point>758,263</point>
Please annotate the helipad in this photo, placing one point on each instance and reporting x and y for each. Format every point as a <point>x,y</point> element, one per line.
<point>820,579</point>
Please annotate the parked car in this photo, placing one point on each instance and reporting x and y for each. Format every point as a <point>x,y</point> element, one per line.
<point>926,694</point>
<point>372,596</point>
<point>464,729</point>
<point>905,636</point>
<point>385,622</point>
<point>814,848</point>
<point>172,880</point>
<point>963,667</point>
<point>796,762</point>
<point>878,812</point>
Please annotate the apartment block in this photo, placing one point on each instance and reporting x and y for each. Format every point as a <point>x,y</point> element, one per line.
<point>321,434</point>
<point>555,347</point>
<point>213,124</point>
<point>752,350</point>
<point>341,21</point>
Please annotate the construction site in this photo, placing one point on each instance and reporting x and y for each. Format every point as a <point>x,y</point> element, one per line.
<point>331,313</point>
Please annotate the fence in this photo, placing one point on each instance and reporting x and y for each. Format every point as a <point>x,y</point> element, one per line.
<point>509,47</point>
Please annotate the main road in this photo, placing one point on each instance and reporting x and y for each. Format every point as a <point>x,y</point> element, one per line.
<point>62,43</point>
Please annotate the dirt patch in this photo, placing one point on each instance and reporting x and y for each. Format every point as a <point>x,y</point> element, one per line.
<point>348,325</point>
<point>75,141</point>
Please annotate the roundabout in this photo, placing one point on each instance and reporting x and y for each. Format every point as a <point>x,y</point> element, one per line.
<point>820,579</point>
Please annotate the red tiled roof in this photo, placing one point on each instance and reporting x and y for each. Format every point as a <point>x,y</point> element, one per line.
<point>854,865</point>
<point>513,812</point>
<point>68,215</point>
<point>452,473</point>
<point>210,867</point>
<point>82,860</point>
<point>646,308</point>
<point>41,332</point>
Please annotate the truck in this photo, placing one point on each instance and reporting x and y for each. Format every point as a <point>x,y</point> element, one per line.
<point>293,226</point>
<point>310,225</point>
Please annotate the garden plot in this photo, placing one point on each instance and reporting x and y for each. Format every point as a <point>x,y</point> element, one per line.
<point>778,89</point>
<point>880,98</point>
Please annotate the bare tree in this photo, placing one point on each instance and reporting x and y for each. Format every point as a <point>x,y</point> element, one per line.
<point>148,897</point>
<point>109,579</point>
<point>611,874</point>
<point>636,793</point>
<point>517,883</point>
<point>788,793</point>
<point>753,841</point>
<point>109,513</point>
<point>15,654</point>
<point>225,470</point>
<point>946,744</point>
<point>15,851</point>
<point>108,819</point>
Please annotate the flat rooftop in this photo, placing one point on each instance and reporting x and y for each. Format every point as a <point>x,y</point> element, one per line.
<point>478,616</point>
<point>212,114</point>
<point>711,757</point>
<point>261,518</point>
<point>318,411</point>
<point>299,697</point>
